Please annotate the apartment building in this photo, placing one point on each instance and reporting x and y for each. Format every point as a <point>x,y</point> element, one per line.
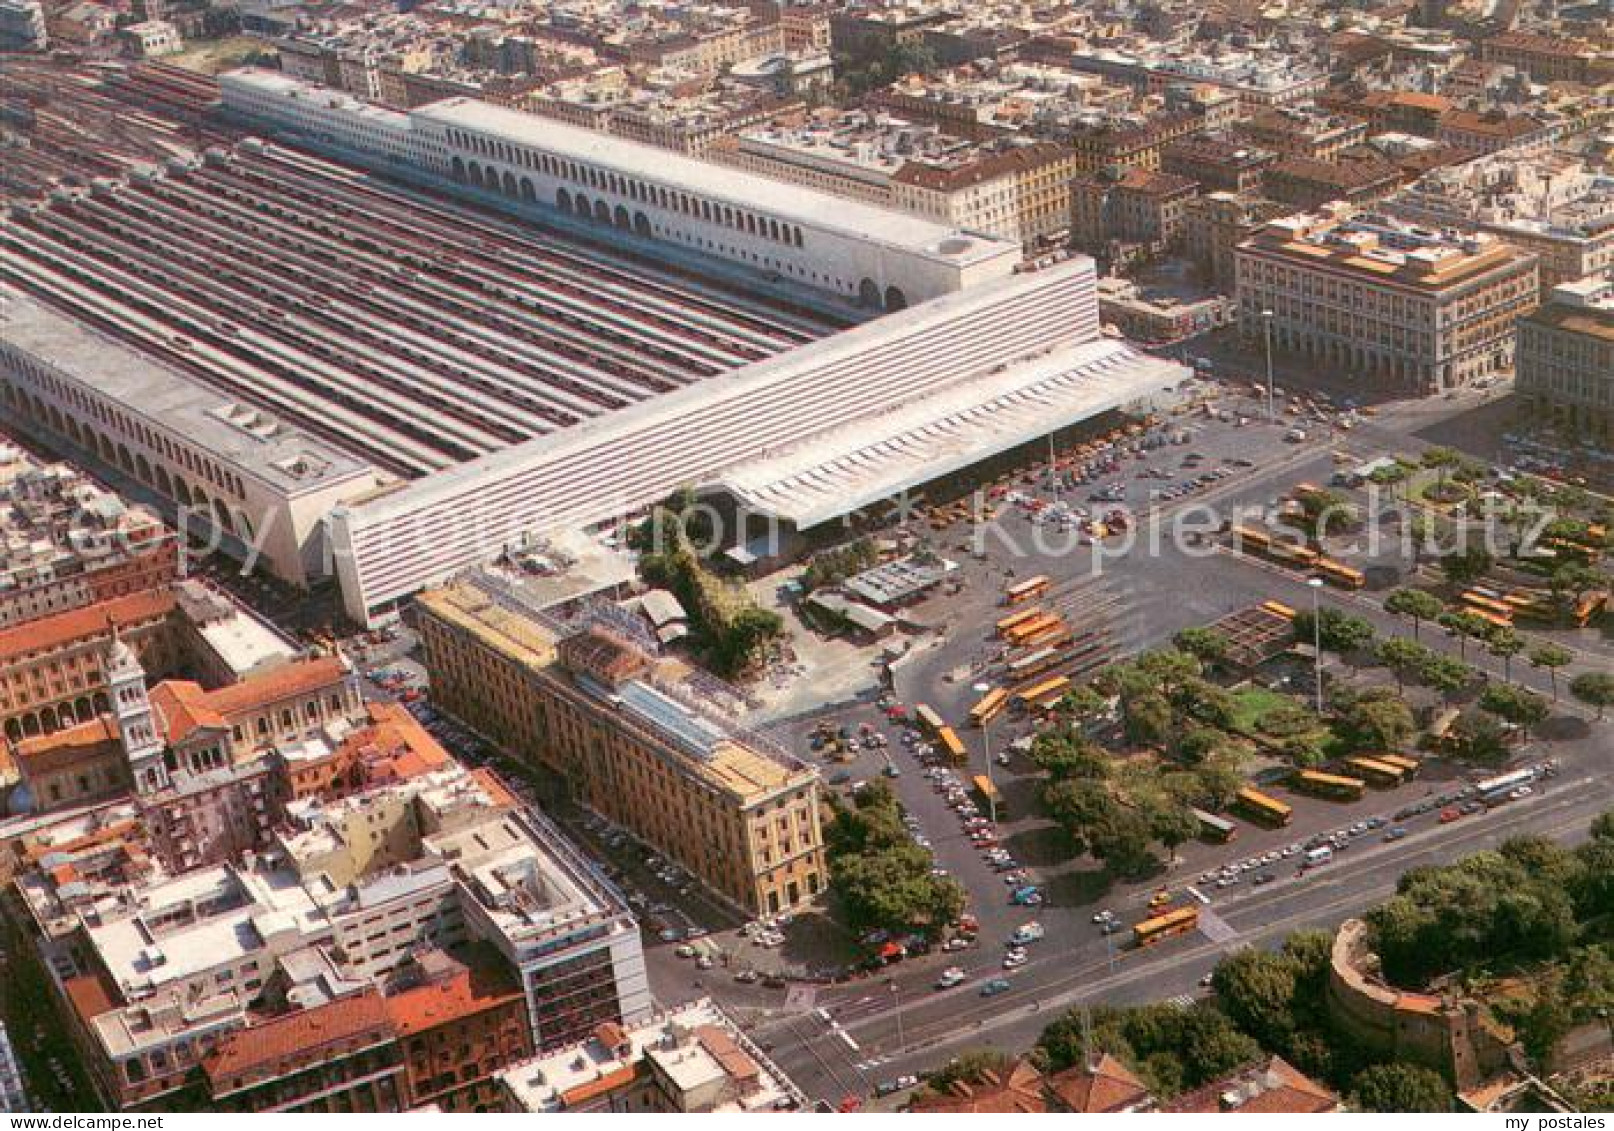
<point>337,1057</point>
<point>1358,177</point>
<point>634,740</point>
<point>690,1059</point>
<point>1217,164</point>
<point>157,970</point>
<point>1136,208</point>
<point>1404,306</point>
<point>460,1020</point>
<point>1303,131</point>
<point>1548,58</point>
<point>1565,357</point>
<point>1216,223</point>
<point>66,542</point>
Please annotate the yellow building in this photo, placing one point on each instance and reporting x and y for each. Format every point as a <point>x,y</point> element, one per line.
<point>1385,299</point>
<point>626,732</point>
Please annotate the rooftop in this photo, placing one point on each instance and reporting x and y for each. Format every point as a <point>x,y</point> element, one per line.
<point>693,1046</point>
<point>90,622</point>
<point>284,460</point>
<point>812,209</point>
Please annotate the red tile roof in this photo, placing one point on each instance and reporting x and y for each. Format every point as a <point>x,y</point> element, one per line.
<point>267,1044</point>
<point>1108,1086</point>
<point>48,751</point>
<point>1274,1086</point>
<point>88,623</point>
<point>1020,1091</point>
<point>186,707</point>
<point>485,983</point>
<point>91,996</point>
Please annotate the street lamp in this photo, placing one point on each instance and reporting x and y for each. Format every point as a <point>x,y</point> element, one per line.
<point>986,735</point>
<point>1266,333</point>
<point>1316,583</point>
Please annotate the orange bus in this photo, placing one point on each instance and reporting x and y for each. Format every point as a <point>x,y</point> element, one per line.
<point>1177,922</point>
<point>1278,609</point>
<point>927,718</point>
<point>1589,606</point>
<point>1409,767</point>
<point>1263,808</point>
<point>1336,787</point>
<point>947,739</point>
<point>1029,697</point>
<point>1249,535</point>
<point>1292,553</point>
<point>1028,590</point>
<point>1477,600</point>
<point>1384,775</point>
<point>1020,633</point>
<point>1017,618</point>
<point>1055,635</point>
<point>990,707</point>
<point>1340,574</point>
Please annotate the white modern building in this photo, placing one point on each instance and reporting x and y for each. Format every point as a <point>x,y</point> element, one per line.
<point>871,256</point>
<point>805,437</point>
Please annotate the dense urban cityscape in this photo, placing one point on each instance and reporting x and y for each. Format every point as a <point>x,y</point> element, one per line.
<point>867,556</point>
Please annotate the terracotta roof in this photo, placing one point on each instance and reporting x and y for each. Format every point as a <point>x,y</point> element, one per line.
<point>88,623</point>
<point>1020,1092</point>
<point>64,747</point>
<point>726,1051</point>
<point>484,983</point>
<point>1270,1087</point>
<point>266,1044</point>
<point>610,1082</point>
<point>1491,122</point>
<point>945,178</point>
<point>91,996</point>
<point>1106,1087</point>
<point>183,708</point>
<point>395,745</point>
<point>285,682</point>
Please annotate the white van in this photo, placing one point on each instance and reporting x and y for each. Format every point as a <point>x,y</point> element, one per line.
<point>1317,856</point>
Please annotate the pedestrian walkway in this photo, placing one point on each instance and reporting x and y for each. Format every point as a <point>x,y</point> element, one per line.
<point>1214,927</point>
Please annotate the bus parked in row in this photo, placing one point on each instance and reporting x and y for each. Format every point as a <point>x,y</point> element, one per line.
<point>1214,828</point>
<point>989,707</point>
<point>1376,772</point>
<point>1335,787</point>
<point>948,740</point>
<point>1268,810</point>
<point>1028,590</point>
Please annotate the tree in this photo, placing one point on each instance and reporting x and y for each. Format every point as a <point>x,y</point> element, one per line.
<point>1465,626</point>
<point>1064,753</point>
<point>1505,643</point>
<point>1445,674</point>
<point>1148,720</point>
<point>1595,689</point>
<point>1173,825</point>
<point>1414,604</point>
<point>1549,658</point>
<point>1468,565</point>
<point>1442,461</point>
<point>1571,581</point>
<point>1375,720</point>
<point>1339,631</point>
<point>1405,658</point>
<point>1400,1087</point>
<point>1082,704</point>
<point>1207,645</point>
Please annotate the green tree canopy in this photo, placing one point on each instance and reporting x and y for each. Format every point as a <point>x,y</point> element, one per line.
<point>1399,1087</point>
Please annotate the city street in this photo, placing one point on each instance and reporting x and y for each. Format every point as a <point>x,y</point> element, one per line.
<point>1069,968</point>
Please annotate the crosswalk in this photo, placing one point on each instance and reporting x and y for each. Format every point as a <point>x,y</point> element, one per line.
<point>1214,927</point>
<point>1181,1001</point>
